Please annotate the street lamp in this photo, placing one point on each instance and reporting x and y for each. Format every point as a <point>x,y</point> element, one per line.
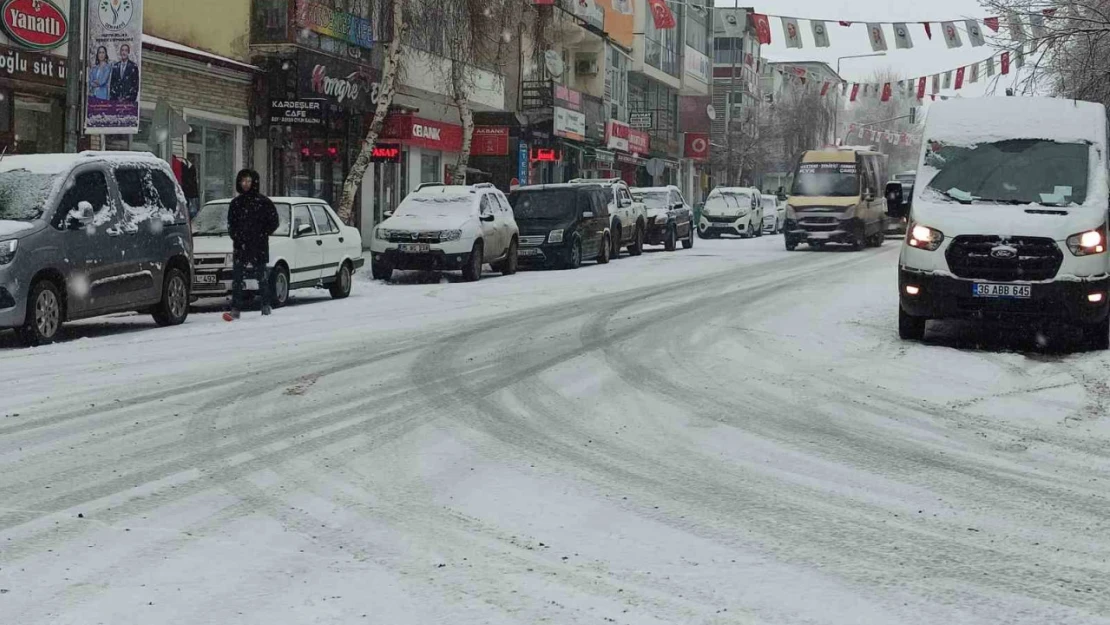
<point>836,111</point>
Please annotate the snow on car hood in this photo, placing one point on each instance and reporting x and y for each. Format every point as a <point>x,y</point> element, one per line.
<point>212,245</point>
<point>425,222</point>
<point>1059,223</point>
<point>8,227</point>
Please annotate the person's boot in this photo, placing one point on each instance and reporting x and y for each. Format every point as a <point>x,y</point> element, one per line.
<point>266,310</point>
<point>231,315</point>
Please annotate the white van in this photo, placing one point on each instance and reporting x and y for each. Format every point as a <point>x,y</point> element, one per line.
<point>1009,216</point>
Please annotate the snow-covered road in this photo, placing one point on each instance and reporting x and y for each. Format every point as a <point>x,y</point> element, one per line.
<point>730,434</point>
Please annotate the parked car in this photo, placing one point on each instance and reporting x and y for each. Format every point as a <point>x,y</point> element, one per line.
<point>669,218</point>
<point>563,224</point>
<point>732,210</point>
<point>317,251</point>
<point>774,214</point>
<point>84,235</point>
<point>447,228</point>
<point>628,217</point>
<point>1010,220</point>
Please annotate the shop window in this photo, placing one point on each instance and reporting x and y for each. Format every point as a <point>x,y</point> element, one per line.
<point>430,167</point>
<point>211,147</point>
<point>38,125</point>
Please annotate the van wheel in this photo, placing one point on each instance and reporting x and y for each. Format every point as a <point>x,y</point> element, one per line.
<point>574,260</point>
<point>791,245</point>
<point>174,307</point>
<point>750,232</point>
<point>636,248</point>
<point>341,288</point>
<point>1096,336</point>
<point>279,286</point>
<point>472,272</point>
<point>671,242</point>
<point>912,328</point>
<point>44,315</point>
<point>606,250</point>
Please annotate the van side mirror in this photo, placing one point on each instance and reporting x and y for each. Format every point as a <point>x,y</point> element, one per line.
<point>81,217</point>
<point>679,206</point>
<point>387,214</point>
<point>625,202</point>
<point>487,218</point>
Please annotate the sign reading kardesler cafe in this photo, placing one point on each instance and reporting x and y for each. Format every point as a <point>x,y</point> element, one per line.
<point>114,66</point>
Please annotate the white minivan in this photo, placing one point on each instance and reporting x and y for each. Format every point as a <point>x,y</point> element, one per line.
<point>1009,216</point>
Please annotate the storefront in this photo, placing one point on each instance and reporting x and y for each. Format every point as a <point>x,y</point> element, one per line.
<point>313,106</point>
<point>33,81</point>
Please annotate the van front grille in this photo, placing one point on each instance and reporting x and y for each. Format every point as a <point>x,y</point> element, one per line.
<point>977,257</point>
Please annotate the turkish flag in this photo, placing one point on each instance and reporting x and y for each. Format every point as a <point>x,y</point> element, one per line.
<point>661,13</point>
<point>825,88</point>
<point>762,28</point>
<point>921,83</point>
<point>928,30</point>
<point>887,92</point>
<point>992,23</point>
<point>697,146</point>
<point>855,91</point>
<point>843,23</point>
<point>960,78</point>
<point>1005,63</point>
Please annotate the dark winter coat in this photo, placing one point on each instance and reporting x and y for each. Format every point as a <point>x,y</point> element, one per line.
<point>251,219</point>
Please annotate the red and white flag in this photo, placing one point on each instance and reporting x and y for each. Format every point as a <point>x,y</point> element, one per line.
<point>855,92</point>
<point>921,83</point>
<point>960,78</point>
<point>887,91</point>
<point>845,24</point>
<point>825,88</point>
<point>1005,63</point>
<point>662,15</point>
<point>992,23</point>
<point>928,29</point>
<point>762,28</point>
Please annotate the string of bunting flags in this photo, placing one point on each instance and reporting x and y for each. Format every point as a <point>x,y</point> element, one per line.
<point>1022,27</point>
<point>918,88</point>
<point>873,134</point>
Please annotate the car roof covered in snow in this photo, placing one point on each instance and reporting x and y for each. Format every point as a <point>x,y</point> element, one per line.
<point>555,186</point>
<point>278,200</point>
<point>654,189</point>
<point>59,163</point>
<point>971,121</point>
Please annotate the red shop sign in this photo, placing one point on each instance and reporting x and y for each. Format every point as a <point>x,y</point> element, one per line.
<point>639,142</point>
<point>490,141</point>
<point>696,146</point>
<point>35,24</point>
<point>424,133</point>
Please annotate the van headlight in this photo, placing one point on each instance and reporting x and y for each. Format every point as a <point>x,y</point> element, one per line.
<point>924,238</point>
<point>1082,244</point>
<point>450,235</point>
<point>556,236</point>
<point>382,234</point>
<point>7,251</point>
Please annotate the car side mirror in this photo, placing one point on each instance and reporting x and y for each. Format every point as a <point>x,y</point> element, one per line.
<point>625,202</point>
<point>387,214</point>
<point>82,217</point>
<point>304,230</point>
<point>487,218</point>
<point>588,215</point>
<point>679,206</point>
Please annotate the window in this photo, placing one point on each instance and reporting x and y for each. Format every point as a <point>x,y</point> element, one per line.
<point>728,50</point>
<point>211,147</point>
<point>302,217</point>
<point>697,17</point>
<point>165,190</point>
<point>324,224</point>
<point>130,182</point>
<point>91,187</point>
<point>429,167</point>
<point>661,46</point>
<point>616,83</point>
<point>487,208</point>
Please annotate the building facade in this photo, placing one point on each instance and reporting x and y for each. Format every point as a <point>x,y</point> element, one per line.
<point>33,82</point>
<point>737,60</point>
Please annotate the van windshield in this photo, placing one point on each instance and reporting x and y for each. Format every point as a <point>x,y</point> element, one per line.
<point>23,194</point>
<point>554,205</point>
<point>826,180</point>
<point>1015,171</point>
<point>211,221</point>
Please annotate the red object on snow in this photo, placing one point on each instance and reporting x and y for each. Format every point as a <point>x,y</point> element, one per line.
<point>662,14</point>
<point>762,28</point>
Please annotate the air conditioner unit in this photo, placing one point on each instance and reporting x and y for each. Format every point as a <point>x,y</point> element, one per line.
<point>586,67</point>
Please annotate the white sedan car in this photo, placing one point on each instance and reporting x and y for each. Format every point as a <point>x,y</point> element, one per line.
<point>310,249</point>
<point>448,227</point>
<point>774,214</point>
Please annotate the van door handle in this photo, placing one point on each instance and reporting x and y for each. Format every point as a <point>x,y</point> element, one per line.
<point>319,242</point>
<point>340,239</point>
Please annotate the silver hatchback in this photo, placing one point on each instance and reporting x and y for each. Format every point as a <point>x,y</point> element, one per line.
<point>83,235</point>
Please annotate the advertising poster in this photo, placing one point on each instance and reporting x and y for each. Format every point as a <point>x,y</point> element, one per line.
<point>115,38</point>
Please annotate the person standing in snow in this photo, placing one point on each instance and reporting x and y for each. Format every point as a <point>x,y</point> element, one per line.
<point>251,219</point>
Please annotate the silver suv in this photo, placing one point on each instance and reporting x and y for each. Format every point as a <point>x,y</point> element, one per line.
<point>83,235</point>
<point>629,217</point>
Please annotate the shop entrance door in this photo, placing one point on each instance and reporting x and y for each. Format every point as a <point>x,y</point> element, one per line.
<point>390,186</point>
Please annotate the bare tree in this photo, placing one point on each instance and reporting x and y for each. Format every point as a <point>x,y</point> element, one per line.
<point>799,119</point>
<point>391,72</point>
<point>892,116</point>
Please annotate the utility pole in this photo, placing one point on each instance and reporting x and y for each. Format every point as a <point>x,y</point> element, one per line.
<point>73,74</point>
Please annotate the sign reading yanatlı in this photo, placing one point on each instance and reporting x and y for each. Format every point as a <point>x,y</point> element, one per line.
<point>115,39</point>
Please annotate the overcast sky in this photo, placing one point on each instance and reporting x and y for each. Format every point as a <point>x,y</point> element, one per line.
<point>926,58</point>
